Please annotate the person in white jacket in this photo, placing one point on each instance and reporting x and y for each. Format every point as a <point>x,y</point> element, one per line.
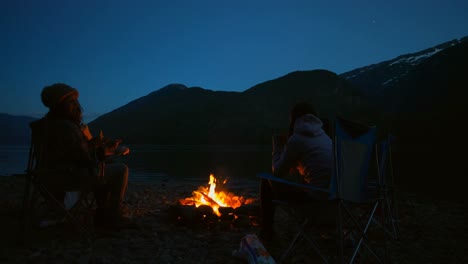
<point>308,152</point>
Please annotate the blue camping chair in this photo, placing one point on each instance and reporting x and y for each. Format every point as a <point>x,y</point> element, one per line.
<point>388,187</point>
<point>355,198</point>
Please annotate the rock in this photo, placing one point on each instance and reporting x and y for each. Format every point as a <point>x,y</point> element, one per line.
<point>226,210</point>
<point>248,209</point>
<point>205,210</point>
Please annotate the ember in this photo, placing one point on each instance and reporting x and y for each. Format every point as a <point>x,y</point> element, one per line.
<point>215,199</point>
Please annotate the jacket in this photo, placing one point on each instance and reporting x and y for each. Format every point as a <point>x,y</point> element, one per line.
<point>309,149</point>
<point>67,151</point>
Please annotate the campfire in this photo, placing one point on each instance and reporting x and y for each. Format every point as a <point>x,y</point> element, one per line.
<point>215,198</point>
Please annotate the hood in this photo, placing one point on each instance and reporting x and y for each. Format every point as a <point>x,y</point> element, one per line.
<point>308,125</point>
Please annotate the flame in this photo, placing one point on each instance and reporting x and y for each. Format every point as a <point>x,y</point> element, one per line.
<point>213,198</point>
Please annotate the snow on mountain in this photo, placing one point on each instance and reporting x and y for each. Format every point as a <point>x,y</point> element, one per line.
<point>373,79</point>
<point>415,60</point>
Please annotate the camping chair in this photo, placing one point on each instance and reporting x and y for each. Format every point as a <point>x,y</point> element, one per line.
<point>296,208</point>
<point>388,187</point>
<point>356,161</point>
<point>47,201</point>
<point>355,200</point>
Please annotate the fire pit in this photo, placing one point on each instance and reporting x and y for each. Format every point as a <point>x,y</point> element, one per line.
<point>213,203</point>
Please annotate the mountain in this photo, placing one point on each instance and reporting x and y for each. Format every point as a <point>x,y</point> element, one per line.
<point>397,95</point>
<point>418,97</point>
<point>422,99</point>
<point>329,93</point>
<point>423,85</point>
<point>374,79</point>
<point>176,114</point>
<point>15,129</point>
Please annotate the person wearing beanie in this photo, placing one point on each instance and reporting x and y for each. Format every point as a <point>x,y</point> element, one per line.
<point>71,147</point>
<point>52,95</point>
<point>306,152</point>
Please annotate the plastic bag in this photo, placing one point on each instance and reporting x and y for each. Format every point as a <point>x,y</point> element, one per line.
<point>252,251</point>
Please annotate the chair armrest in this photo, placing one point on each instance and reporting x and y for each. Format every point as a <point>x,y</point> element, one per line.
<point>269,176</point>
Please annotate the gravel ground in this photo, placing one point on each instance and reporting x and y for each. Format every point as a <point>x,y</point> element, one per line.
<point>431,231</point>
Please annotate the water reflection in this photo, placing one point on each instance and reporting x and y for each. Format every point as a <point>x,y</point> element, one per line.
<point>232,162</point>
<point>13,159</point>
<point>151,162</point>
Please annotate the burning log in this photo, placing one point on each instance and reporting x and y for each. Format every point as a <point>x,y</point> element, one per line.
<point>214,208</point>
<point>191,214</point>
<point>210,201</point>
<point>216,199</point>
<point>205,216</point>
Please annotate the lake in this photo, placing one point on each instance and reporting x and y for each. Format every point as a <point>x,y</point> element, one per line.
<point>162,163</point>
<point>13,159</point>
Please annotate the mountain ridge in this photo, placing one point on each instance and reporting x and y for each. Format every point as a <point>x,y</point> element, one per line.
<point>393,68</point>
<point>316,83</point>
<point>218,117</point>
<point>421,106</point>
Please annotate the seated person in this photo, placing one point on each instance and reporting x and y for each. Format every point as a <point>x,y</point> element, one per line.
<point>308,151</point>
<point>70,146</point>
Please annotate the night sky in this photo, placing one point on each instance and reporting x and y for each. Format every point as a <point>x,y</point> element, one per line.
<point>116,51</point>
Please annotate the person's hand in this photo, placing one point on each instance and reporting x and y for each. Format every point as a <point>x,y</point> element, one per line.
<point>122,150</point>
<point>85,130</point>
<point>111,145</point>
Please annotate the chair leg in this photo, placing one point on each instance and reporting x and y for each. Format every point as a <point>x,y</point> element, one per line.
<point>38,197</point>
<point>363,232</point>
<point>317,250</point>
<point>68,214</point>
<point>384,219</point>
<point>393,215</point>
<point>340,232</point>
<point>302,233</point>
<point>389,219</point>
<point>296,237</point>
<point>378,253</point>
<point>25,223</point>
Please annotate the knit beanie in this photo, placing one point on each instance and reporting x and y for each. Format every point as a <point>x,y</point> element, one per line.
<point>53,94</point>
